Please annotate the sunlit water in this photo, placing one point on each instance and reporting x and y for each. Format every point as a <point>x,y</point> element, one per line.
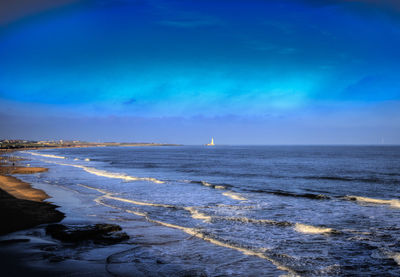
<point>305,210</point>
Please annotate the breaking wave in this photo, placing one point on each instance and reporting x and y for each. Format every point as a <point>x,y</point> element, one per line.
<point>191,231</point>
<point>107,174</point>
<point>291,194</point>
<point>395,256</point>
<point>309,229</point>
<point>234,196</point>
<point>207,184</point>
<point>109,195</point>
<point>394,203</point>
<point>298,227</point>
<point>257,221</point>
<point>46,155</point>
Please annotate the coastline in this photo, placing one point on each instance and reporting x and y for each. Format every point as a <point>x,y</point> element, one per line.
<point>153,248</point>
<point>21,205</point>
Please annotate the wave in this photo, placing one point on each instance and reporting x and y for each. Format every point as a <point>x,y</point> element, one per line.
<point>346,179</point>
<point>104,173</point>
<point>207,184</point>
<point>220,187</point>
<point>198,215</point>
<point>236,207</point>
<point>46,155</point>
<point>299,227</point>
<point>107,174</point>
<point>234,196</point>
<point>109,195</point>
<point>309,229</point>
<point>206,218</point>
<point>291,194</point>
<point>194,232</point>
<point>394,203</point>
<point>257,221</point>
<point>87,160</point>
<point>395,256</point>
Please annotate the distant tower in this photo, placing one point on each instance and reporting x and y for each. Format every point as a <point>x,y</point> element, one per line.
<point>211,143</point>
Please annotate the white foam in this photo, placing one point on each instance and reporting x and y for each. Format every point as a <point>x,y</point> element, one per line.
<point>206,184</point>
<point>395,256</point>
<point>195,233</point>
<point>220,187</point>
<point>96,189</point>
<point>46,155</point>
<point>308,229</point>
<point>191,231</point>
<point>109,195</point>
<point>252,220</point>
<point>87,160</point>
<point>198,215</point>
<point>234,196</point>
<point>76,159</point>
<point>394,203</point>
<point>107,174</point>
<point>138,202</point>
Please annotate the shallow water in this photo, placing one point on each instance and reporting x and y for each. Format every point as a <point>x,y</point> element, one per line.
<point>305,210</point>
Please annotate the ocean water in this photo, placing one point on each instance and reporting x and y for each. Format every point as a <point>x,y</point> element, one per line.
<point>306,210</point>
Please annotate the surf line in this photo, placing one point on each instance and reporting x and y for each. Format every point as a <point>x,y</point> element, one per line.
<point>227,193</point>
<point>190,231</point>
<point>298,227</point>
<point>109,195</point>
<point>107,174</point>
<point>393,203</point>
<point>46,155</point>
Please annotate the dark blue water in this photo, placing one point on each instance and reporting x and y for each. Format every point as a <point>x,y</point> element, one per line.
<point>309,210</point>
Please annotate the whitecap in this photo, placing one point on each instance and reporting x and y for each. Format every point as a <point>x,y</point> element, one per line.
<point>309,229</point>
<point>394,203</point>
<point>234,196</point>
<point>46,155</point>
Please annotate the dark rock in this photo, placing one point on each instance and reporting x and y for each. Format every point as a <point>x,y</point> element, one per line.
<point>99,233</point>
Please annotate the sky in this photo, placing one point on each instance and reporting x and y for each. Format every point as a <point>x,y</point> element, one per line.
<point>175,71</point>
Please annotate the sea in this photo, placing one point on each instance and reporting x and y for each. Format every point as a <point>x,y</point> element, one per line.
<point>304,210</point>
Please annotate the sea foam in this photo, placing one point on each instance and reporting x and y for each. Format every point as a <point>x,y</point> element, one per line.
<point>191,231</point>
<point>46,155</point>
<point>309,229</point>
<point>396,257</point>
<point>198,215</point>
<point>234,196</point>
<point>394,203</point>
<point>107,174</point>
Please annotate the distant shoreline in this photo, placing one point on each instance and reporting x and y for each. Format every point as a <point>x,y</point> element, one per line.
<point>6,147</point>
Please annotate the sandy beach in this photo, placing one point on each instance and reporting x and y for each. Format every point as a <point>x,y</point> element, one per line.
<point>21,205</point>
<point>30,242</point>
<point>95,240</point>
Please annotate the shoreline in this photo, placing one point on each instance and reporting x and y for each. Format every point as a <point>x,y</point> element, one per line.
<point>21,205</point>
<point>152,248</point>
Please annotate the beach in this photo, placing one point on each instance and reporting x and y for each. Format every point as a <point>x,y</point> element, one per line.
<point>199,211</point>
<point>152,249</point>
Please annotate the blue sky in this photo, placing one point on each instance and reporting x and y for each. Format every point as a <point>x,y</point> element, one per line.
<point>246,72</point>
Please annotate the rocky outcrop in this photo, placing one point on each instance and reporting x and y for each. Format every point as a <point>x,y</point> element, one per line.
<point>104,234</point>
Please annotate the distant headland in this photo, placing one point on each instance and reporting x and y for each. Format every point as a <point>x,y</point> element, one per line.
<point>31,144</point>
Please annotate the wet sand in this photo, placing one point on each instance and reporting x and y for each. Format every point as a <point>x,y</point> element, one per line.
<point>22,206</point>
